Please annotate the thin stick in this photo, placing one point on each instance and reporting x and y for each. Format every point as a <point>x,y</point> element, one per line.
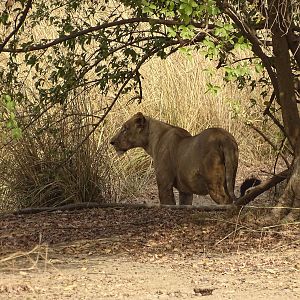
<point>269,142</point>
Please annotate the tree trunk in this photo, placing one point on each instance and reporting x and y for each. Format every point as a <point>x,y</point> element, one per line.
<point>279,22</point>
<point>288,206</point>
<point>280,19</point>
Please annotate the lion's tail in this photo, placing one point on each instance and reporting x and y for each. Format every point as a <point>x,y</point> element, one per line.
<point>230,149</point>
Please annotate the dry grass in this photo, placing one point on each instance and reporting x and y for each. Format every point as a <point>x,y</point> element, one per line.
<point>45,168</point>
<point>26,260</point>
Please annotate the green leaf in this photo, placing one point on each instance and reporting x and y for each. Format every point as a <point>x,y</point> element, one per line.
<point>7,98</point>
<point>186,19</point>
<point>209,43</point>
<point>16,133</point>
<point>186,32</point>
<point>152,6</point>
<point>10,105</point>
<point>31,60</point>
<point>68,28</point>
<point>187,51</point>
<point>214,89</point>
<point>171,32</point>
<point>259,67</point>
<point>11,123</point>
<point>188,10</point>
<point>220,31</point>
<point>4,17</point>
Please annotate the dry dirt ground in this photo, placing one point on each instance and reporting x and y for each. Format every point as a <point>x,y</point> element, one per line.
<point>157,253</point>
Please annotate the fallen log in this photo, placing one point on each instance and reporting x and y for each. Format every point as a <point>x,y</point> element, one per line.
<point>70,207</point>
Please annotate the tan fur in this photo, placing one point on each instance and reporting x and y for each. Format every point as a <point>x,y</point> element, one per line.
<point>202,164</point>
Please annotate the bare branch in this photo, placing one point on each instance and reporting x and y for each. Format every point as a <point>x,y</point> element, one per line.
<point>276,122</point>
<point>277,156</point>
<point>138,78</point>
<point>268,113</point>
<point>269,103</point>
<point>294,45</point>
<point>269,142</point>
<point>22,20</point>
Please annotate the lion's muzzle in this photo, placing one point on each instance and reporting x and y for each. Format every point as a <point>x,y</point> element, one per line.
<point>114,143</point>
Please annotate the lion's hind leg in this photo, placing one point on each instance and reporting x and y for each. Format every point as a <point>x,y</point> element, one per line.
<point>185,198</point>
<point>217,191</point>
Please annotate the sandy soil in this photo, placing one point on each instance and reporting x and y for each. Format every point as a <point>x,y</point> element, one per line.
<point>274,275</point>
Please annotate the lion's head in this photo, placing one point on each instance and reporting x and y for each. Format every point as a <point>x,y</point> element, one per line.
<point>133,133</point>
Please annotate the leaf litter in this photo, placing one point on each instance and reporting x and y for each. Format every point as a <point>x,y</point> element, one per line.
<point>213,253</point>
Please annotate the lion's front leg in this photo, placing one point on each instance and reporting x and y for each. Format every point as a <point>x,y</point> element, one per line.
<point>166,195</point>
<point>165,179</point>
<point>165,182</point>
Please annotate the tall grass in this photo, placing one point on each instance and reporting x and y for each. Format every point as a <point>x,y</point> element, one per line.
<point>46,167</point>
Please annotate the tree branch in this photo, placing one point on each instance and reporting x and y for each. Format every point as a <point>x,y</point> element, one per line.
<point>86,69</point>
<point>269,103</point>
<point>269,142</point>
<point>76,34</point>
<point>256,191</point>
<point>138,78</point>
<point>268,113</point>
<point>276,122</point>
<point>22,20</point>
<point>241,201</point>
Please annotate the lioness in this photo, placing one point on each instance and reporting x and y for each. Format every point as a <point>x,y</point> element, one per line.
<point>202,164</point>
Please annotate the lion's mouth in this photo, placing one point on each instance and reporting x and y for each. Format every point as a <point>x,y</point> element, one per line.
<point>120,152</point>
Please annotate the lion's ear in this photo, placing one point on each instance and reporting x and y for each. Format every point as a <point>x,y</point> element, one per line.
<point>140,120</point>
